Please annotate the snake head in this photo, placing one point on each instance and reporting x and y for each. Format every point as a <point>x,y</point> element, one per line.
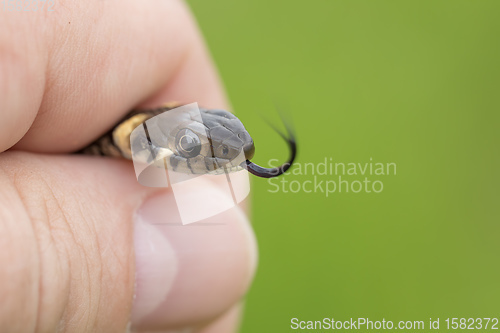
<point>200,141</point>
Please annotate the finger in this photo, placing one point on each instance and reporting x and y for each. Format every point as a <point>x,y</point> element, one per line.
<point>91,64</point>
<point>67,250</point>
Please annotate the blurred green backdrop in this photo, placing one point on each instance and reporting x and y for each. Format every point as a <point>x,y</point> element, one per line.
<point>416,83</point>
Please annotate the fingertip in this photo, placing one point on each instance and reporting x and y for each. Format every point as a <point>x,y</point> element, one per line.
<point>216,261</point>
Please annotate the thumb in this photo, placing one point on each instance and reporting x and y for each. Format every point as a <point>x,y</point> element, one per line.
<point>72,260</point>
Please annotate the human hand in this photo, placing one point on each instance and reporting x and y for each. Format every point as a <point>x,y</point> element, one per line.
<point>79,235</point>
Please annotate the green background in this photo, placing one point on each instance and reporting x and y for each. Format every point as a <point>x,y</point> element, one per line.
<point>414,83</point>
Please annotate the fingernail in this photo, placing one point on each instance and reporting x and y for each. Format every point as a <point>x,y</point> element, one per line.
<point>156,268</point>
<point>189,274</point>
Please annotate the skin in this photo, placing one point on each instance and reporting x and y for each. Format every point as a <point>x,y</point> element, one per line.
<point>67,244</point>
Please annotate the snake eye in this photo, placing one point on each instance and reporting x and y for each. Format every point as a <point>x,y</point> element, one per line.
<point>225,150</point>
<point>187,143</point>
